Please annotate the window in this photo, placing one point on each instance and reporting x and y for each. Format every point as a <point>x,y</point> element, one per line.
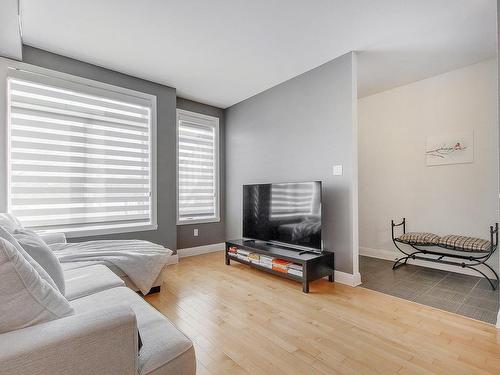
<point>197,168</point>
<point>80,155</point>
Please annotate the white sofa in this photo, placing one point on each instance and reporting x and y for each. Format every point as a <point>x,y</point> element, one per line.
<point>101,338</point>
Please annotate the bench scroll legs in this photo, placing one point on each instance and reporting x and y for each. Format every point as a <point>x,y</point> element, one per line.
<point>400,262</point>
<point>482,273</point>
<point>404,260</point>
<point>493,286</point>
<point>492,270</point>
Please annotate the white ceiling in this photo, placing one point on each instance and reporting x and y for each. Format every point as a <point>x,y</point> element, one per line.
<point>221,52</point>
<point>10,35</point>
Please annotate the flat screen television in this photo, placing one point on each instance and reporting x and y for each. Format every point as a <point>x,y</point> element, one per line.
<point>284,213</point>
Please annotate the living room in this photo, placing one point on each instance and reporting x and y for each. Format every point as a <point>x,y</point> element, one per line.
<point>208,188</point>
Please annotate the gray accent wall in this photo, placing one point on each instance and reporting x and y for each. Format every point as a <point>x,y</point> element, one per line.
<point>166,104</point>
<point>209,233</point>
<point>297,131</point>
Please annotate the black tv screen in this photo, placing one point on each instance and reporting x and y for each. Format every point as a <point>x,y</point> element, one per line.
<point>288,213</point>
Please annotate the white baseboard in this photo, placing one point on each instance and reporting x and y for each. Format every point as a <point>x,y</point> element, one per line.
<point>347,278</point>
<point>198,250</point>
<point>392,255</point>
<point>380,254</point>
<point>498,320</point>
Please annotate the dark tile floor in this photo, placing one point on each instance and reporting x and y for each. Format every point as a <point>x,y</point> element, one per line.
<point>461,294</point>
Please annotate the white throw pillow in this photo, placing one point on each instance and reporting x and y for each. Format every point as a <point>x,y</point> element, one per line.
<point>25,298</point>
<point>10,222</point>
<point>42,254</point>
<point>6,235</point>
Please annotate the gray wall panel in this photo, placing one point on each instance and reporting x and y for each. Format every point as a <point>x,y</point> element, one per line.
<point>297,131</point>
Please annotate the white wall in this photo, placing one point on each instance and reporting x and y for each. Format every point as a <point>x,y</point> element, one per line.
<point>10,35</point>
<point>394,181</point>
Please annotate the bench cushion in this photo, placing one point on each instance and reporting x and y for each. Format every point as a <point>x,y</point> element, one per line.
<point>81,282</point>
<point>419,238</point>
<point>464,243</point>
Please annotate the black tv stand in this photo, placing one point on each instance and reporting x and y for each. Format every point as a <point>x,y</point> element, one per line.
<point>314,265</point>
<point>252,242</point>
<point>310,252</point>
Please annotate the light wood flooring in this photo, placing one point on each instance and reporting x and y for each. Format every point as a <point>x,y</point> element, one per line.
<point>244,321</point>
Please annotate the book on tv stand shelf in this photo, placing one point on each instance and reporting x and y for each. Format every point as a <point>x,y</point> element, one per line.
<point>315,265</point>
<point>299,249</point>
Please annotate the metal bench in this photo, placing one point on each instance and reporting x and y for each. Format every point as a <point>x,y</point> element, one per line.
<point>472,252</point>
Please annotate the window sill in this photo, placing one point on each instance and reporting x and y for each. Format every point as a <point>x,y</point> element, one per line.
<point>190,222</point>
<point>101,230</point>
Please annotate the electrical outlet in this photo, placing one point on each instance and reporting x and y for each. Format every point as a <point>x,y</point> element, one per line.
<point>195,232</point>
<point>337,170</point>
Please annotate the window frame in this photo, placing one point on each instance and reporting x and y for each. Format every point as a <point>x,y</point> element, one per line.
<point>212,121</point>
<point>10,68</point>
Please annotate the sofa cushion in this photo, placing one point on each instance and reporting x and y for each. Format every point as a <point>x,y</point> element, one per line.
<point>73,265</point>
<point>81,282</point>
<point>25,298</point>
<point>162,342</point>
<point>6,235</point>
<point>42,254</point>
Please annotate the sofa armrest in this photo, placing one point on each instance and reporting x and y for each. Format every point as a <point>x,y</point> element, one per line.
<point>53,238</point>
<point>100,342</point>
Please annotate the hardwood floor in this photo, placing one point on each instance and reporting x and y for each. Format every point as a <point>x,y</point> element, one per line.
<point>243,321</point>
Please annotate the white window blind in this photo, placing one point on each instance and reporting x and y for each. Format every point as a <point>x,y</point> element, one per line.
<point>79,158</point>
<point>197,168</point>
